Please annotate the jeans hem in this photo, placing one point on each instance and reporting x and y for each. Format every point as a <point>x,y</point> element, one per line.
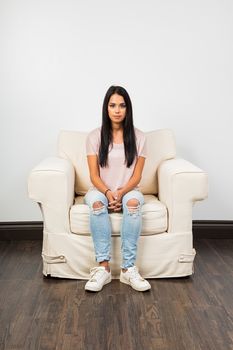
<point>126,266</point>
<point>103,259</point>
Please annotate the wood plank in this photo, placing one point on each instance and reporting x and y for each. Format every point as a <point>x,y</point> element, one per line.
<point>178,313</point>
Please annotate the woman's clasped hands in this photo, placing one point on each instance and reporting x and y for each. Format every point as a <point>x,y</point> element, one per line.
<point>114,200</point>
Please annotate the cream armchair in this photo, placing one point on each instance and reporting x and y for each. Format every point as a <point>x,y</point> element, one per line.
<point>170,186</point>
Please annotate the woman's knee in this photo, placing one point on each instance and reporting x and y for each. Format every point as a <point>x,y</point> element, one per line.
<point>95,197</point>
<point>133,198</point>
<point>132,203</point>
<point>98,207</point>
<point>132,207</point>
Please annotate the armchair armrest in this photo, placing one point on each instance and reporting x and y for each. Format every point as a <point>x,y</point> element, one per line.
<point>180,185</point>
<point>51,184</point>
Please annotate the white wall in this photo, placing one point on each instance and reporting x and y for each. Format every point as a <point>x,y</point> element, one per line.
<point>58,58</point>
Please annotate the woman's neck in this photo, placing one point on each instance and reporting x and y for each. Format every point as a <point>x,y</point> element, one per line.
<point>117,128</point>
<point>117,134</point>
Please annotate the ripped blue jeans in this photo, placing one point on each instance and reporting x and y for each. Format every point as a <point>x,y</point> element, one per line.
<point>100,226</point>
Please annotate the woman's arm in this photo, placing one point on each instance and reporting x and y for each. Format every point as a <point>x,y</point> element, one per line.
<point>97,182</point>
<point>94,173</point>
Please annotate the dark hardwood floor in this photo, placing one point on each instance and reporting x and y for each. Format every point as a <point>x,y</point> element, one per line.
<point>181,313</point>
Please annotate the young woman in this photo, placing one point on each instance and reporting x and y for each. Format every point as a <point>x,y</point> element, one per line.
<point>116,154</point>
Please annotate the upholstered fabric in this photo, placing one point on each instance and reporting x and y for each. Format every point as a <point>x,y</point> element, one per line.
<point>185,182</point>
<point>171,186</point>
<point>154,217</point>
<point>159,256</point>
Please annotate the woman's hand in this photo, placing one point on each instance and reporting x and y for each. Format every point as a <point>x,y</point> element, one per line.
<point>118,194</point>
<point>114,200</point>
<point>111,200</point>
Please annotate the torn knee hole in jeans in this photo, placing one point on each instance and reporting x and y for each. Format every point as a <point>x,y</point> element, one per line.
<point>98,208</point>
<point>133,209</point>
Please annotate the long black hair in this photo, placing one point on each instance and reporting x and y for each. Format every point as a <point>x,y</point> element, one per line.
<point>128,129</point>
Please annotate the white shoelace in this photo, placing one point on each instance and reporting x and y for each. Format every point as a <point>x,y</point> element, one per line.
<point>134,274</point>
<point>96,273</point>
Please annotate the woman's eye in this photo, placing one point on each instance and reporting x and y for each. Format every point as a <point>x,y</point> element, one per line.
<point>121,106</point>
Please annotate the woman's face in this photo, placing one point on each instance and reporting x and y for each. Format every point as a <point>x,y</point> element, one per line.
<point>116,108</point>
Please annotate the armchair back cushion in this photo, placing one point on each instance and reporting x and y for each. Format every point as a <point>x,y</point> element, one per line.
<point>160,146</point>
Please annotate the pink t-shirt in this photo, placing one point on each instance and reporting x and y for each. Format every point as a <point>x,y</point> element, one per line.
<point>116,174</point>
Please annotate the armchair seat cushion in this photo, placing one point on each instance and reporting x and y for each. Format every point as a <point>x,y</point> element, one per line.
<point>154,217</point>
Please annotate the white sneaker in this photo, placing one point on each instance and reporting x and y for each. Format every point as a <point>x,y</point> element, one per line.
<point>99,277</point>
<point>134,279</point>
